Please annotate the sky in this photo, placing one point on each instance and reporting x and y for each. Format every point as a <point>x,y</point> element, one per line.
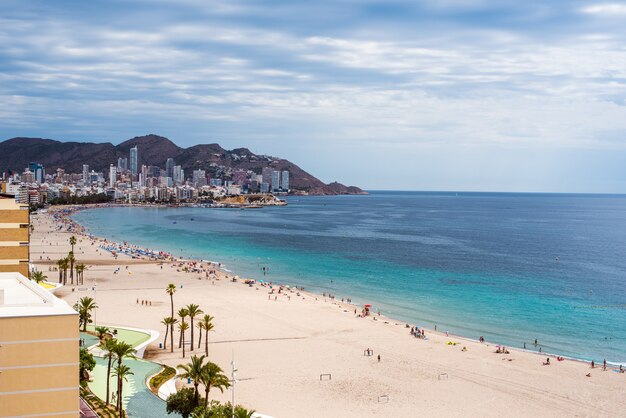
<point>477,95</point>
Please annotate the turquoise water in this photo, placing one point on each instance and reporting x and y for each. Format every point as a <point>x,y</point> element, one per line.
<point>509,267</point>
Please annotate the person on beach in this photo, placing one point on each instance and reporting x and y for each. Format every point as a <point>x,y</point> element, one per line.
<point>604,365</point>
<point>379,358</point>
<point>547,363</point>
<point>593,364</point>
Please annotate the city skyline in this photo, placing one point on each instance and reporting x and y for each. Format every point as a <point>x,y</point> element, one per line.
<point>481,95</point>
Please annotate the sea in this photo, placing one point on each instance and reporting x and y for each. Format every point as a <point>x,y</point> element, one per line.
<point>513,268</point>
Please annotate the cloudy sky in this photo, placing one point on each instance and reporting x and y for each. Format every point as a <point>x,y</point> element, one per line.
<point>502,95</point>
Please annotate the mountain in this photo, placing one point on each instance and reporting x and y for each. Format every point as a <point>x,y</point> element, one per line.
<point>16,153</point>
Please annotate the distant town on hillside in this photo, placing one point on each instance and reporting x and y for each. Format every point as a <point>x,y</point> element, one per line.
<point>150,169</point>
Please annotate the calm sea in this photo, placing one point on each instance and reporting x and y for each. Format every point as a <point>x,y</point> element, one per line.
<point>510,267</point>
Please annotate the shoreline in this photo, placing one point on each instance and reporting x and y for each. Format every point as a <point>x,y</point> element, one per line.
<point>222,267</point>
<point>283,343</point>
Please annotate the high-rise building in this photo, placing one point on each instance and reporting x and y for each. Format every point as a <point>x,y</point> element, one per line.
<point>284,181</point>
<point>199,178</point>
<point>178,175</point>
<point>38,170</point>
<point>27,176</point>
<point>267,175</point>
<point>14,236</point>
<point>122,164</point>
<point>134,158</point>
<point>86,179</point>
<point>169,167</point>
<point>112,175</point>
<point>275,181</point>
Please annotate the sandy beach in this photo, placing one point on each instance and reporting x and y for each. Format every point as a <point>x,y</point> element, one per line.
<point>282,343</point>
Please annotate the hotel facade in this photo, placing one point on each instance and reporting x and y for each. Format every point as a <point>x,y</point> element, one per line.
<point>39,351</point>
<point>14,236</point>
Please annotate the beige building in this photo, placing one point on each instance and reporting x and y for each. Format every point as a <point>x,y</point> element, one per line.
<point>38,351</point>
<point>14,236</point>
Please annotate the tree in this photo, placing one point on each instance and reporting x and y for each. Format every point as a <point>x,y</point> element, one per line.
<point>72,242</point>
<point>38,276</point>
<point>60,268</point>
<point>218,410</point>
<point>80,269</point>
<point>213,376</point>
<point>87,364</point>
<point>207,325</point>
<point>71,259</point>
<point>122,372</point>
<point>193,310</point>
<point>182,327</point>
<point>170,290</point>
<point>109,353</point>
<point>193,371</point>
<point>200,328</point>
<point>63,265</point>
<point>182,312</point>
<point>84,306</point>
<point>169,323</point>
<point>66,265</point>
<point>121,351</point>
<point>181,402</point>
<point>101,331</point>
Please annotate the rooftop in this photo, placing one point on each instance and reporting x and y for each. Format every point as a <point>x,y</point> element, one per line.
<point>23,297</point>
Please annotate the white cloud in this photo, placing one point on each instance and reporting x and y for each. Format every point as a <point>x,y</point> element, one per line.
<point>606,9</point>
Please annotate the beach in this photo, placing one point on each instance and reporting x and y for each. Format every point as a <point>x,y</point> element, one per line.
<point>283,342</point>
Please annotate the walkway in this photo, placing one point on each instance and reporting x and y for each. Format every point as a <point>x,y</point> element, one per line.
<point>139,401</point>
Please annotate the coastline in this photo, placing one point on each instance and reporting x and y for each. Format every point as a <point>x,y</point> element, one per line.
<point>318,293</point>
<point>439,337</point>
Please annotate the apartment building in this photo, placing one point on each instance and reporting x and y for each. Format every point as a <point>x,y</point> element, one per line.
<point>14,236</point>
<point>38,351</point>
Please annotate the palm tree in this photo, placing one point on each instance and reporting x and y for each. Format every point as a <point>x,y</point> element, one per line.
<point>84,306</point>
<point>101,332</point>
<point>71,259</point>
<point>212,376</point>
<point>200,328</point>
<point>207,325</point>
<point>72,242</point>
<point>60,267</point>
<point>122,372</point>
<point>108,346</point>
<point>182,312</point>
<point>38,276</point>
<point>193,371</point>
<point>63,265</point>
<point>168,322</point>
<point>170,290</point>
<point>80,269</point>
<point>122,350</point>
<point>183,326</point>
<point>193,310</point>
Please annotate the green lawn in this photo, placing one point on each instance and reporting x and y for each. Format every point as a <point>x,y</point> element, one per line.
<point>133,338</point>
